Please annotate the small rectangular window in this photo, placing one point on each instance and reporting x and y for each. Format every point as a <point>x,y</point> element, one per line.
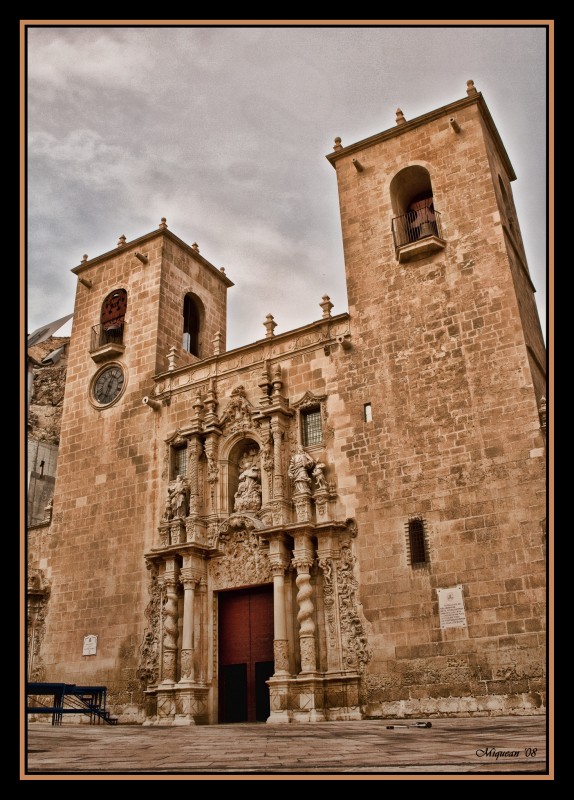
<point>416,541</point>
<point>179,462</point>
<point>368,412</point>
<point>311,423</point>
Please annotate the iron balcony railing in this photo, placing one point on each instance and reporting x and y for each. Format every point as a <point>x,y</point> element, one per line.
<point>107,333</point>
<point>415,225</point>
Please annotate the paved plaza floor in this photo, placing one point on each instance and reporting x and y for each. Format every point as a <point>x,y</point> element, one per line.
<point>474,747</point>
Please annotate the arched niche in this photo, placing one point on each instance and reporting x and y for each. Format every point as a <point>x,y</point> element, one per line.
<point>244,486</point>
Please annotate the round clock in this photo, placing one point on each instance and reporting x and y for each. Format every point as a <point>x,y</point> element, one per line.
<point>108,385</point>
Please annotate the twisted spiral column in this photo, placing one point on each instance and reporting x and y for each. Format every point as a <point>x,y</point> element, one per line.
<point>170,630</point>
<point>305,615</point>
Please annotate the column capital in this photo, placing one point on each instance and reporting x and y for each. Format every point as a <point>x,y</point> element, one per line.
<point>189,577</point>
<point>169,580</point>
<point>302,562</point>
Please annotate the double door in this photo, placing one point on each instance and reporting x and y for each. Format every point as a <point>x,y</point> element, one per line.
<point>245,653</point>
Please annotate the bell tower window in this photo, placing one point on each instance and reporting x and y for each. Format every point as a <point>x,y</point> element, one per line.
<point>107,339</point>
<point>416,220</point>
<point>192,318</point>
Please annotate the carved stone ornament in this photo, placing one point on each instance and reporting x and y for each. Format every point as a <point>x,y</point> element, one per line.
<point>148,670</point>
<point>303,509</point>
<point>281,655</point>
<point>186,662</point>
<point>37,606</point>
<point>326,566</point>
<point>321,505</point>
<point>308,657</point>
<point>245,562</point>
<point>356,654</point>
<point>308,400</point>
<point>237,415</point>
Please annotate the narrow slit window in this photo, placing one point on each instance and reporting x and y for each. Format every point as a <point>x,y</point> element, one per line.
<point>368,412</point>
<point>416,540</point>
<point>311,424</point>
<point>191,325</point>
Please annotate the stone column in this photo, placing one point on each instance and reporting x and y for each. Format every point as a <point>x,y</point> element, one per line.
<point>211,446</point>
<point>277,471</point>
<point>189,581</point>
<point>202,634</point>
<point>194,452</point>
<point>303,560</point>
<point>280,642</point>
<point>169,665</point>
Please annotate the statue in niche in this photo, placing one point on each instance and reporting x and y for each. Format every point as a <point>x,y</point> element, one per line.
<point>248,494</point>
<point>299,466</point>
<point>179,499</point>
<point>167,511</point>
<point>320,479</point>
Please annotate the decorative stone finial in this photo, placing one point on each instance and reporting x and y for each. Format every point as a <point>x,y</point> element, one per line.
<point>195,247</point>
<point>400,117</point>
<point>337,145</point>
<point>269,324</point>
<point>84,258</point>
<point>121,241</point>
<point>163,223</point>
<point>277,382</point>
<point>217,343</point>
<point>470,88</point>
<point>172,358</point>
<point>326,305</point>
<point>197,406</point>
<point>222,269</point>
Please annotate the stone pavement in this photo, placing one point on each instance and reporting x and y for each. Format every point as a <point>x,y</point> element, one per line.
<point>478,746</point>
<point>451,745</point>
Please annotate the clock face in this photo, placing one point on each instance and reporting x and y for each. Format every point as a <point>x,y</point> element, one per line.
<point>108,385</point>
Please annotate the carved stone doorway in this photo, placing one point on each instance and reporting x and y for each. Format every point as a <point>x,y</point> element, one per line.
<point>245,653</point>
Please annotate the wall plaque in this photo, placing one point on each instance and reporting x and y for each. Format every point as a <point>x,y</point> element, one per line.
<point>90,645</point>
<point>451,607</point>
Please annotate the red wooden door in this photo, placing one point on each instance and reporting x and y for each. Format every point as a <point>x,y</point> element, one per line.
<point>245,653</point>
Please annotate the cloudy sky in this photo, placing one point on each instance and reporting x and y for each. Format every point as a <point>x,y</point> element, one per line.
<point>224,132</point>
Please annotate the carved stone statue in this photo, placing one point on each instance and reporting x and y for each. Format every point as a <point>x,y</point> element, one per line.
<point>167,510</point>
<point>179,498</point>
<point>248,494</point>
<point>320,479</point>
<point>299,466</point>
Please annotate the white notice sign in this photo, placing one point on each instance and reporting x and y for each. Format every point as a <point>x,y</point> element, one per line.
<point>451,607</point>
<point>90,645</point>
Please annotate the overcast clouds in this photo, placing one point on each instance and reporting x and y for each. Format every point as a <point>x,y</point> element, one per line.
<point>224,131</point>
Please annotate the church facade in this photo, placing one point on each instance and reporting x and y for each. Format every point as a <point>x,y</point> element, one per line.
<point>346,520</point>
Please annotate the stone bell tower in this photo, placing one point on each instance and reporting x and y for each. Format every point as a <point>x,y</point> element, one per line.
<point>444,383</point>
<point>141,309</point>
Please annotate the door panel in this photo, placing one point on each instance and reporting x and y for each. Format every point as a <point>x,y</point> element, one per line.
<point>245,653</point>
